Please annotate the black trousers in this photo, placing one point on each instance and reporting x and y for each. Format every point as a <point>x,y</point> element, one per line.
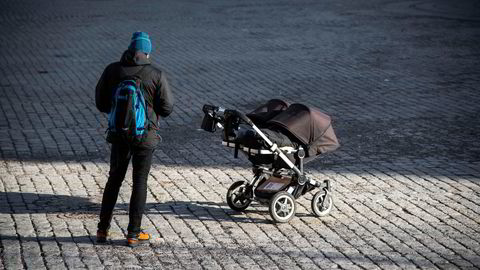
<point>119,160</point>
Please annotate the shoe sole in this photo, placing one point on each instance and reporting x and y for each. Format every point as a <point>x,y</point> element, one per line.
<point>137,243</point>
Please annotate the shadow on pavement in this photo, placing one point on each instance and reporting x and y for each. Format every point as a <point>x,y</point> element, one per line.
<point>82,208</point>
<point>61,239</point>
<point>363,143</point>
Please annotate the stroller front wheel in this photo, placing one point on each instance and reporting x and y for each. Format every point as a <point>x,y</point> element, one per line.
<point>238,198</point>
<point>282,207</point>
<point>322,203</point>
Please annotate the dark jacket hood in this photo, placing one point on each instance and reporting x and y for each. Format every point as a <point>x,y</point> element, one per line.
<point>130,58</point>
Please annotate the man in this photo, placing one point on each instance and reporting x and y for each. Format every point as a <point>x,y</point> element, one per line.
<point>135,61</point>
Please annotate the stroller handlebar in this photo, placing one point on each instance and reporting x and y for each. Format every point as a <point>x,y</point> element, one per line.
<point>212,109</point>
<point>240,115</point>
<point>217,115</point>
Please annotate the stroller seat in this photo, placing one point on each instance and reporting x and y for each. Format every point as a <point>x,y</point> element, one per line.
<point>261,150</point>
<point>250,143</point>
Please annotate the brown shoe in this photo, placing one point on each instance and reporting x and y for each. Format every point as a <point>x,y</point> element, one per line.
<point>133,239</point>
<point>102,236</point>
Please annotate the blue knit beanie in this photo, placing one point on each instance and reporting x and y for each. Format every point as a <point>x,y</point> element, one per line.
<point>140,42</point>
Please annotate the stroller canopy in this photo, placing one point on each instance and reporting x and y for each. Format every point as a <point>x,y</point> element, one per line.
<point>311,127</point>
<point>267,111</point>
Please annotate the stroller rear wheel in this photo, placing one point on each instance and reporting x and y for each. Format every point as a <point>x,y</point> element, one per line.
<point>322,203</point>
<point>237,196</point>
<point>282,207</point>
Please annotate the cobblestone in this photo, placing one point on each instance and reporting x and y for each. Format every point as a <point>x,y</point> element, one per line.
<point>400,79</point>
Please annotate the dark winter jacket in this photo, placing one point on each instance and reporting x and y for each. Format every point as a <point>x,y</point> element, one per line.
<point>158,96</point>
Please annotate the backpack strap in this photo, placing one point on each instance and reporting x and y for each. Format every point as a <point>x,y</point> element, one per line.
<point>141,74</point>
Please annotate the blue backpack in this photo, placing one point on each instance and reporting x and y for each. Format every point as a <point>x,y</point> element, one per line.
<point>128,117</point>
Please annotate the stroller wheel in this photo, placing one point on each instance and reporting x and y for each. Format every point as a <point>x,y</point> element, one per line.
<point>282,207</point>
<point>237,196</point>
<point>322,203</point>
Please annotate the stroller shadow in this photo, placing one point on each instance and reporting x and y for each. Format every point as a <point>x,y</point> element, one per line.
<point>82,208</point>
<point>200,210</point>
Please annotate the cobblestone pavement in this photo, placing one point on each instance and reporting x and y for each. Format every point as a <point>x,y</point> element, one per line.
<point>401,80</point>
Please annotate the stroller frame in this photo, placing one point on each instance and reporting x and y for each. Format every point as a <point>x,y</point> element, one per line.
<point>282,203</point>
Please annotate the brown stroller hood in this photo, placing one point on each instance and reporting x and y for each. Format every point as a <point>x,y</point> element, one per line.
<point>267,111</point>
<point>309,126</point>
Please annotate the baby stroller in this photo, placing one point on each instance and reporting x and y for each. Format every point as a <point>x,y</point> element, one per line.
<point>278,140</point>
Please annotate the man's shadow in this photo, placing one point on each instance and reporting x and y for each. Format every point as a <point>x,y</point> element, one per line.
<point>24,203</point>
<point>81,207</point>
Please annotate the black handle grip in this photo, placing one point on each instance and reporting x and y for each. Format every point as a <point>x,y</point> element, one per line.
<point>240,115</point>
<point>209,108</point>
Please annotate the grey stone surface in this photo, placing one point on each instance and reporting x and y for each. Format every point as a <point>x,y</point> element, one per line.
<point>401,80</point>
